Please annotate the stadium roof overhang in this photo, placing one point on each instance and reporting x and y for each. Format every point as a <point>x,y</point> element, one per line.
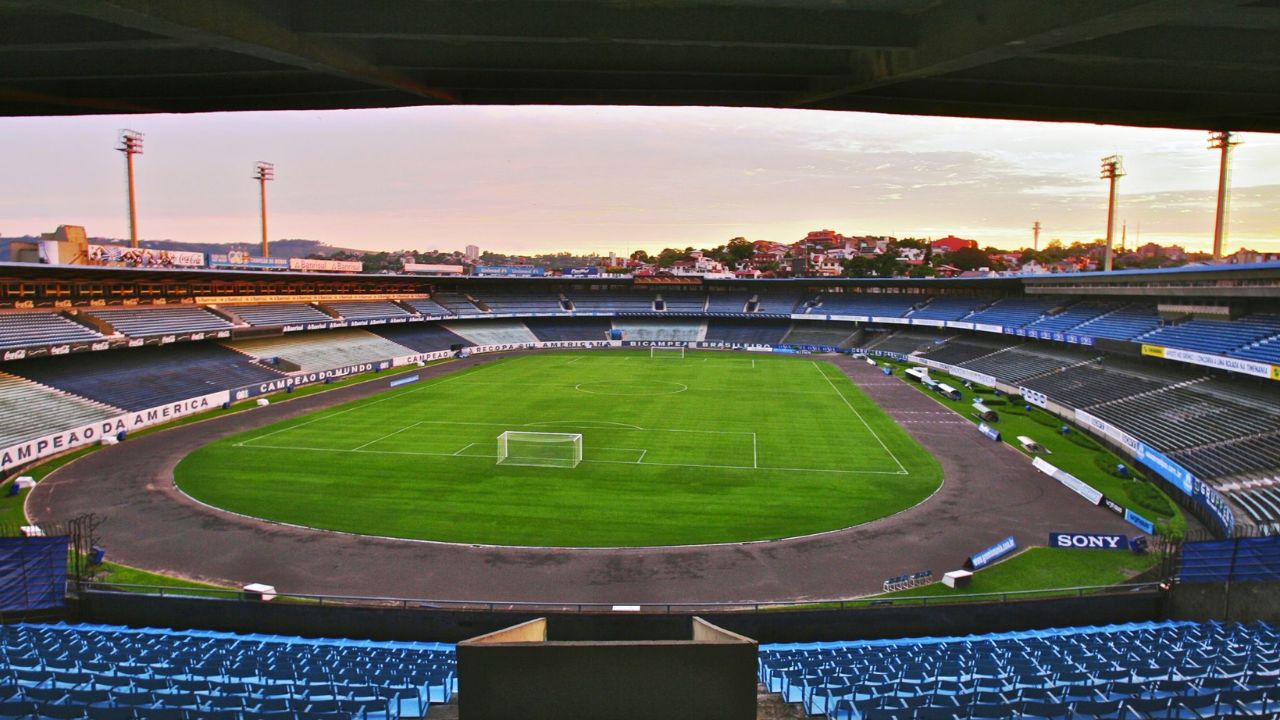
<point>1175,63</point>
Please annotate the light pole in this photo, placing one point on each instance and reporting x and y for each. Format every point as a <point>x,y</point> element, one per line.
<point>1112,170</point>
<point>130,145</point>
<point>1222,140</point>
<point>264,171</point>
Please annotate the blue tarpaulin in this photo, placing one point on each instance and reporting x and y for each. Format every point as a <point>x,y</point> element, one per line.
<point>33,573</point>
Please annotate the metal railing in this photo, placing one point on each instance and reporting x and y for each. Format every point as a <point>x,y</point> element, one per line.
<point>620,607</point>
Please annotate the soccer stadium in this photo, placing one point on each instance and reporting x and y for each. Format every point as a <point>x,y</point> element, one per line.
<point>299,494</point>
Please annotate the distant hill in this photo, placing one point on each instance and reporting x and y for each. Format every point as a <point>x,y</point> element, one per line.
<point>292,248</point>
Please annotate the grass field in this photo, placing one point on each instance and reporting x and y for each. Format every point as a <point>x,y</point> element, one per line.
<point>709,448</point>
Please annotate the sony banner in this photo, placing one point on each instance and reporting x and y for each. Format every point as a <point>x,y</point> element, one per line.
<point>54,443</point>
<point>1088,541</point>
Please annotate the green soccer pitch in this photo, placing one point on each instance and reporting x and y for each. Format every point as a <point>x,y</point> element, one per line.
<point>709,448</point>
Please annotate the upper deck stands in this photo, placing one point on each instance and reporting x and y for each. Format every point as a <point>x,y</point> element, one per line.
<point>42,328</point>
<point>141,322</point>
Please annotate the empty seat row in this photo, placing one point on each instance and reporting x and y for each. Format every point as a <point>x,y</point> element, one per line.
<point>42,328</point>
<point>141,322</point>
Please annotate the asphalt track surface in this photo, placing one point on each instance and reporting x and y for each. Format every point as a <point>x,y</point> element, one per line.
<point>989,491</point>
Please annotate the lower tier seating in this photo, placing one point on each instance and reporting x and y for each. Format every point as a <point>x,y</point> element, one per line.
<point>747,332</point>
<point>420,337</point>
<point>829,334</point>
<point>560,329</point>
<point>30,410</point>
<point>652,330</point>
<point>141,378</point>
<point>323,349</point>
<point>492,332</point>
<point>1136,670</point>
<point>109,671</point>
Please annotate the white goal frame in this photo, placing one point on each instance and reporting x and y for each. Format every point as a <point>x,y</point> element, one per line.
<point>541,449</point>
<point>655,351</point>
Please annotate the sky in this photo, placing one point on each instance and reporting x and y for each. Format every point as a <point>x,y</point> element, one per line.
<point>600,179</point>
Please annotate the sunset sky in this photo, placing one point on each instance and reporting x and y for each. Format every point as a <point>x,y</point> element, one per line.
<point>584,179</point>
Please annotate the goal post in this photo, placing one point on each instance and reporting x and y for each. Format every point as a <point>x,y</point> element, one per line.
<point>540,449</point>
<point>666,352</point>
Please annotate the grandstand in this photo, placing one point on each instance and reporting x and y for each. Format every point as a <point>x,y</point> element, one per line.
<point>1070,317</point>
<point>773,303</point>
<point>1016,364</point>
<point>728,302</point>
<point>322,350</point>
<point>146,377</point>
<point>367,310</point>
<point>456,304</point>
<point>678,302</point>
<point>30,410</point>
<point>421,337</point>
<point>746,332</point>
<point>42,328</point>
<point>69,671</point>
<point>519,303</point>
<point>636,301</point>
<point>495,332</point>
<point>807,332</point>
<point>965,349</point>
<point>564,329</point>
<point>904,342</point>
<point>1014,311</point>
<point>1123,323</point>
<point>429,307</point>
<point>1143,670</point>
<point>141,322</point>
<point>948,308</point>
<point>641,330</point>
<point>274,314</point>
<point>1216,336</point>
<point>870,304</point>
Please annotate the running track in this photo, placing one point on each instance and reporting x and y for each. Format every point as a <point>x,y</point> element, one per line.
<point>989,491</point>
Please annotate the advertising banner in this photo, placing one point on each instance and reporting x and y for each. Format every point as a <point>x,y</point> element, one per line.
<point>1088,541</point>
<point>237,259</point>
<point>1246,367</point>
<point>433,269</point>
<point>581,272</point>
<point>1033,397</point>
<point>510,271</point>
<point>1139,522</point>
<point>1075,484</point>
<point>54,443</point>
<point>991,554</point>
<point>421,357</point>
<point>307,378</point>
<point>309,265</point>
<point>124,256</point>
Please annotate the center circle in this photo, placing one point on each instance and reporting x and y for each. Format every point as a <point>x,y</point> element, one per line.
<point>607,387</point>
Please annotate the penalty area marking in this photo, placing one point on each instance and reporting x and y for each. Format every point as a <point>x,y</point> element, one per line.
<point>854,410</point>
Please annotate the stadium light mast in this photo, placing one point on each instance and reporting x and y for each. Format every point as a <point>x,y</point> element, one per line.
<point>264,171</point>
<point>1035,236</point>
<point>130,145</point>
<point>1223,141</point>
<point>1112,171</point>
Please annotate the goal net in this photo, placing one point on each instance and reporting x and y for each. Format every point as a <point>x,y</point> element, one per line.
<point>666,352</point>
<point>540,449</point>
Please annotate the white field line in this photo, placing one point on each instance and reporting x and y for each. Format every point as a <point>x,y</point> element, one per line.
<point>420,453</point>
<point>464,449</point>
<point>642,454</point>
<point>384,437</point>
<point>575,359</point>
<point>854,410</point>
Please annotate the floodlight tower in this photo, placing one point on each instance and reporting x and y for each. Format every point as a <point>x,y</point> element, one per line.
<point>130,145</point>
<point>1222,140</point>
<point>1112,171</point>
<point>264,171</point>
<point>1035,236</point>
